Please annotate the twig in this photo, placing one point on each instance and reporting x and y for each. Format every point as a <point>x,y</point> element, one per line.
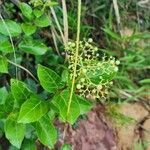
<point>65,20</point>
<point>58,25</point>
<point>11,40</point>
<point>16,2</point>
<point>117,15</point>
<point>23,68</point>
<point>54,39</point>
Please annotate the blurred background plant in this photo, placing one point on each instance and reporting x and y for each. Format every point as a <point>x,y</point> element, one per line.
<point>119,28</point>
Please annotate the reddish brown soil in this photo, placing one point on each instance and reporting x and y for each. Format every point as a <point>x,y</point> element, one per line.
<point>92,133</point>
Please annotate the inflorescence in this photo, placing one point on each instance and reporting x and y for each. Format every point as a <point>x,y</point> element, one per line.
<point>94,72</point>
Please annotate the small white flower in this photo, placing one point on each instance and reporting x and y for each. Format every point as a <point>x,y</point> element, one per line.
<point>84,70</point>
<point>82,79</point>
<point>117,62</point>
<point>99,87</point>
<point>90,40</point>
<point>78,86</point>
<point>116,69</point>
<point>112,62</point>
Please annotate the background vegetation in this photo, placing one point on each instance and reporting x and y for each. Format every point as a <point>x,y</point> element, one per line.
<point>35,32</point>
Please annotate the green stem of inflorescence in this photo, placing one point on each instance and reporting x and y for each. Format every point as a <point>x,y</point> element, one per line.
<point>76,57</point>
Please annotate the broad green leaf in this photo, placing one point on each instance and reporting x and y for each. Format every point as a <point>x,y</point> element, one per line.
<point>46,132</point>
<point>33,47</point>
<point>19,91</point>
<point>42,21</point>
<point>5,46</point>
<point>49,80</point>
<point>28,29</point>
<point>38,13</point>
<point>61,101</point>
<point>28,145</point>
<point>14,131</point>
<point>32,110</point>
<point>13,27</point>
<point>3,64</point>
<point>26,10</point>
<point>3,95</point>
<point>84,104</point>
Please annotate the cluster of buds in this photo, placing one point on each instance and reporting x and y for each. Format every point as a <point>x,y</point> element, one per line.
<point>44,3</point>
<point>94,73</point>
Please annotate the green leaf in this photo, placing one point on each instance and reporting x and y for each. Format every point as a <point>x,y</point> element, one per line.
<point>33,47</point>
<point>84,104</point>
<point>3,113</point>
<point>42,21</point>
<point>3,64</point>
<point>145,81</point>
<point>46,132</point>
<point>32,110</point>
<point>19,91</point>
<point>105,74</point>
<point>7,107</point>
<point>66,147</point>
<point>13,27</point>
<point>3,95</point>
<point>26,10</point>
<point>28,145</point>
<point>61,101</point>
<point>38,13</point>
<point>14,131</point>
<point>5,46</point>
<point>49,80</point>
<point>65,76</point>
<point>28,29</point>
<point>112,34</point>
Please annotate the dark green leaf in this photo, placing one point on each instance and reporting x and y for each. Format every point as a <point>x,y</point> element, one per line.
<point>13,27</point>
<point>61,101</point>
<point>84,104</point>
<point>7,107</point>
<point>28,145</point>
<point>26,10</point>
<point>28,29</point>
<point>3,95</point>
<point>32,110</point>
<point>42,21</point>
<point>14,131</point>
<point>19,91</point>
<point>46,132</point>
<point>49,80</point>
<point>3,64</point>
<point>33,47</point>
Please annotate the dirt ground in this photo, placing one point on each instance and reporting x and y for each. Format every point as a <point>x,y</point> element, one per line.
<point>98,132</point>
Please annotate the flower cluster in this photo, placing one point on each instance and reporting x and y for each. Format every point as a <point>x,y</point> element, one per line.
<point>44,3</point>
<point>94,72</point>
